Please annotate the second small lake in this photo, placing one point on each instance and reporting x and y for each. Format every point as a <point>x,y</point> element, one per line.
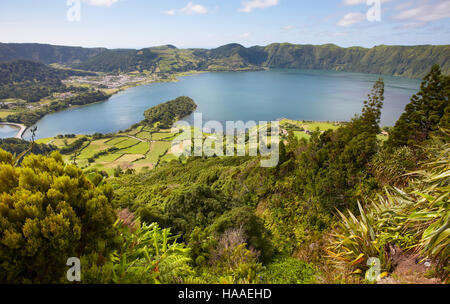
<point>7,131</point>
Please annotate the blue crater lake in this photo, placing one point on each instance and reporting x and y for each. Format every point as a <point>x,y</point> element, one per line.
<point>259,96</point>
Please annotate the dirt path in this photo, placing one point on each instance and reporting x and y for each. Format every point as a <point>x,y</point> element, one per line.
<point>140,139</point>
<point>408,269</point>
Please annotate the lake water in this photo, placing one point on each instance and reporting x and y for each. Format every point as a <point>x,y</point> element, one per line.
<point>8,131</point>
<point>260,96</point>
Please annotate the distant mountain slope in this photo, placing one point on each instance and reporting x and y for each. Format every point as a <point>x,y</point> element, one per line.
<point>407,61</point>
<point>24,70</point>
<point>232,56</point>
<point>46,53</point>
<point>155,59</point>
<point>32,81</point>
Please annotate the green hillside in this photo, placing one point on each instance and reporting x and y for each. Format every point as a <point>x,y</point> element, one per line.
<point>32,81</point>
<point>24,70</point>
<point>46,53</point>
<point>156,59</point>
<point>407,61</point>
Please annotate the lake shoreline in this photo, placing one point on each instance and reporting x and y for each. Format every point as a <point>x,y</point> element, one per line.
<point>173,79</point>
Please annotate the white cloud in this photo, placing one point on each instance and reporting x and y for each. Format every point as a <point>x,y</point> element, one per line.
<point>426,12</point>
<point>248,6</point>
<point>358,2</point>
<point>100,2</point>
<point>170,12</point>
<point>354,2</point>
<point>189,9</point>
<point>288,27</point>
<point>244,35</point>
<point>351,18</point>
<point>192,8</point>
<point>411,25</point>
<point>404,5</point>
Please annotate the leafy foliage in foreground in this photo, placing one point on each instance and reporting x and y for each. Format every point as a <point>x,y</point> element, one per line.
<point>288,270</point>
<point>50,211</point>
<point>416,218</point>
<point>150,255</point>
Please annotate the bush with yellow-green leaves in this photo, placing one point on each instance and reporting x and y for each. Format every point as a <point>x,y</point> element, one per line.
<point>49,212</point>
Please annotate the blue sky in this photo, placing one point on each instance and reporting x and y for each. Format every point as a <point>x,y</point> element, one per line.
<point>211,23</point>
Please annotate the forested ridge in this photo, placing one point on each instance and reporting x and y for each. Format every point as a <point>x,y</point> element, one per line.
<point>407,61</point>
<point>46,53</point>
<point>30,117</point>
<point>332,204</point>
<point>32,81</point>
<point>23,70</point>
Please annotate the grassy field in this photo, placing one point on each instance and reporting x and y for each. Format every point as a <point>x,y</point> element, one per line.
<point>301,129</point>
<point>145,135</point>
<point>162,136</point>
<point>135,131</point>
<point>58,142</point>
<point>129,158</point>
<point>127,143</point>
<point>93,148</point>
<point>311,125</point>
<point>300,135</point>
<point>109,158</point>
<point>137,149</point>
<point>157,149</point>
<point>4,114</point>
<point>44,140</point>
<point>116,140</point>
<point>140,148</point>
<point>144,147</point>
<point>168,158</point>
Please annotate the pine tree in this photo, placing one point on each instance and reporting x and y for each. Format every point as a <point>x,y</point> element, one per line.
<point>335,162</point>
<point>428,110</point>
<point>371,112</point>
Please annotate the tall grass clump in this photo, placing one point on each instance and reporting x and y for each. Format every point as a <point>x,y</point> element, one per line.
<point>415,219</point>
